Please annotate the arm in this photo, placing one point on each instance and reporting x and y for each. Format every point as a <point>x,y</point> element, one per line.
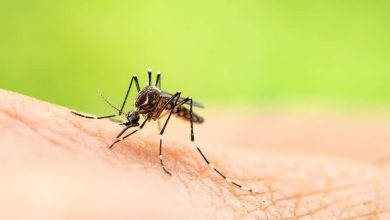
<point>54,164</point>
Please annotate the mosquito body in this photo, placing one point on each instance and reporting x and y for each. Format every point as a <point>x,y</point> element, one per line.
<point>153,104</point>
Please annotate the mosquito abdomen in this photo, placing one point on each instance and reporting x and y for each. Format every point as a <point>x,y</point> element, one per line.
<point>184,113</point>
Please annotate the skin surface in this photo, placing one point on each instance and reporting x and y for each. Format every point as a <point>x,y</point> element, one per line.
<point>55,165</point>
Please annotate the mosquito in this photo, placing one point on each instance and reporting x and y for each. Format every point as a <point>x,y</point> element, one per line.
<point>153,104</point>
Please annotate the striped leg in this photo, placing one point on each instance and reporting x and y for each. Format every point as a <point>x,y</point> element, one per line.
<point>125,129</point>
<point>93,117</point>
<point>119,138</point>
<point>158,80</point>
<point>208,162</point>
<point>149,77</point>
<point>158,85</point>
<point>176,96</point>
<point>135,79</point>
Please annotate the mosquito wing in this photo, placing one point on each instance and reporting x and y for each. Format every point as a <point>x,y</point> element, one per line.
<point>169,95</point>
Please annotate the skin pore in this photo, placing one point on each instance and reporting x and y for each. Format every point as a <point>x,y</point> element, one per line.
<point>55,165</point>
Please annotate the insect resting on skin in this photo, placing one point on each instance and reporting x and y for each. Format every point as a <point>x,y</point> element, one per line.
<point>152,103</point>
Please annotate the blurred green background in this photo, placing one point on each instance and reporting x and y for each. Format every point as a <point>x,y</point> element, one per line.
<point>236,52</point>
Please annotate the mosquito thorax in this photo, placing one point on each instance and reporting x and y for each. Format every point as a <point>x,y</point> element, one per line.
<point>147,98</point>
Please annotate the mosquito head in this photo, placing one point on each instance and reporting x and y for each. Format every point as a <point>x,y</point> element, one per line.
<point>147,99</point>
<point>132,119</point>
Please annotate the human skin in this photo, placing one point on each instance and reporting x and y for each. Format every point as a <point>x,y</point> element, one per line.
<point>55,165</point>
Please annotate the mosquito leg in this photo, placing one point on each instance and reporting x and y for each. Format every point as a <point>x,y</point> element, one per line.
<point>206,160</point>
<point>125,129</point>
<point>176,96</point>
<point>135,79</point>
<point>93,117</point>
<point>149,77</point>
<point>119,138</point>
<point>158,80</point>
<point>158,85</point>
<point>101,117</point>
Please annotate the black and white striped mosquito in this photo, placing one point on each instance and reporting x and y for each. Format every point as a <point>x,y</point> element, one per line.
<point>152,103</point>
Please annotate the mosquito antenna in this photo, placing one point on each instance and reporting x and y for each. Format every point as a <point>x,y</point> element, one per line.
<point>108,102</point>
<point>149,77</point>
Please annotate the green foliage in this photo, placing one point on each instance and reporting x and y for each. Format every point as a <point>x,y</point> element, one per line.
<point>224,51</point>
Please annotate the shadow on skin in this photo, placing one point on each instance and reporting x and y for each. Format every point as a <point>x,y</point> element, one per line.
<point>57,166</point>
